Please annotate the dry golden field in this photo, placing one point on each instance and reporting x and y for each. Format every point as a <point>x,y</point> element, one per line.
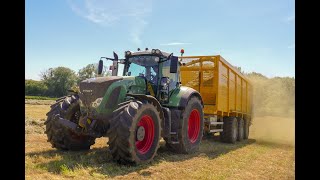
<point>268,154</point>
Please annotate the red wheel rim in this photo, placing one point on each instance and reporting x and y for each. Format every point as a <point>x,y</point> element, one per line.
<point>145,144</point>
<point>194,125</point>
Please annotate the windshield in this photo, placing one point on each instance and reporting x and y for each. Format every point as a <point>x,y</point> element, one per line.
<point>144,66</point>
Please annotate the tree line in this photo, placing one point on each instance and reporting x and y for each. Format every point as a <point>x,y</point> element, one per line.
<point>55,82</point>
<point>271,96</point>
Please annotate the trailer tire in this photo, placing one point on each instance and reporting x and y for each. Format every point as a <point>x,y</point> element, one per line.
<point>230,130</point>
<point>246,129</point>
<point>135,120</point>
<point>240,136</point>
<point>190,130</point>
<point>59,136</point>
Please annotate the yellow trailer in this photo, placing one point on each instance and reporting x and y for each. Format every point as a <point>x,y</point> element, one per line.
<point>225,91</point>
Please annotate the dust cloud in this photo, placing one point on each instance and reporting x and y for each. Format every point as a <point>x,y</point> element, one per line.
<point>273,109</point>
<point>273,129</point>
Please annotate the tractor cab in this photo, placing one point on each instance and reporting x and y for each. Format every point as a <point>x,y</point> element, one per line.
<point>158,69</point>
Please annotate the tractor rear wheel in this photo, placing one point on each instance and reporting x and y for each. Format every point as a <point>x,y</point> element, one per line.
<point>59,136</point>
<point>246,128</point>
<point>134,133</point>
<point>230,130</point>
<point>240,129</point>
<point>190,130</point>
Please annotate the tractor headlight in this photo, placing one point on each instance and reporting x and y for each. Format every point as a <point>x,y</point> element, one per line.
<point>156,51</point>
<point>96,103</point>
<point>127,53</point>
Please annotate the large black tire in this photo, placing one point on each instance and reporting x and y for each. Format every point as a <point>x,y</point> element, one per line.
<point>246,128</point>
<point>240,129</point>
<point>59,136</point>
<point>230,130</point>
<point>124,144</point>
<point>189,136</point>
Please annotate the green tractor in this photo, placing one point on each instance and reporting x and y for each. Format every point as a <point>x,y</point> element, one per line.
<point>133,110</point>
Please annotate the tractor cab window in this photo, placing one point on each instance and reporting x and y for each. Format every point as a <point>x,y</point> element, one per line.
<point>174,77</point>
<point>144,66</point>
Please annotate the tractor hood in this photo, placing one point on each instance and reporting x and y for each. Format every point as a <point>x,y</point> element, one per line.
<point>102,95</point>
<point>91,89</point>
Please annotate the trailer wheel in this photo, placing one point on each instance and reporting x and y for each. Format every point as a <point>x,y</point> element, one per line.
<point>230,130</point>
<point>134,133</point>
<point>190,130</point>
<point>246,129</point>
<point>240,129</point>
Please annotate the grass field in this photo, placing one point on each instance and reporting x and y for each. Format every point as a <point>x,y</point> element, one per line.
<point>39,98</point>
<point>268,154</point>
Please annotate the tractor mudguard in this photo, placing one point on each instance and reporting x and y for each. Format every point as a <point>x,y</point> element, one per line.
<point>155,102</point>
<point>180,97</point>
<point>187,95</point>
<point>152,99</point>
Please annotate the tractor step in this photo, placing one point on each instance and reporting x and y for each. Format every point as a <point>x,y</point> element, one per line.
<point>216,130</point>
<point>174,135</point>
<point>215,123</point>
<point>174,142</point>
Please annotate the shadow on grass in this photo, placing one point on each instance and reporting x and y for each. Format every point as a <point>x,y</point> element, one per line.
<point>99,160</point>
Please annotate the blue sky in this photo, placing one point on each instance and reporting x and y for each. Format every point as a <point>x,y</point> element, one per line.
<point>257,35</point>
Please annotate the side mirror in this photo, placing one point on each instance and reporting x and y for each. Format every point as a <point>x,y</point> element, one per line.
<point>100,67</point>
<point>174,64</point>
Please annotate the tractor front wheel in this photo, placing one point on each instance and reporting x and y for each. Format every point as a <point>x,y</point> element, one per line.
<point>59,136</point>
<point>134,133</point>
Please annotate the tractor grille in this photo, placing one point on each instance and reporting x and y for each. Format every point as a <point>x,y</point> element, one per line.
<point>94,88</point>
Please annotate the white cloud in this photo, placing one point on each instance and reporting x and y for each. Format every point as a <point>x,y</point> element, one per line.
<point>174,44</point>
<point>292,46</point>
<point>109,12</point>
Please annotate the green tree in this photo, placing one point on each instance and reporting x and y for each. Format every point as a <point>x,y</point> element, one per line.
<point>256,75</point>
<point>35,88</point>
<point>90,71</point>
<point>59,80</point>
<point>87,72</point>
